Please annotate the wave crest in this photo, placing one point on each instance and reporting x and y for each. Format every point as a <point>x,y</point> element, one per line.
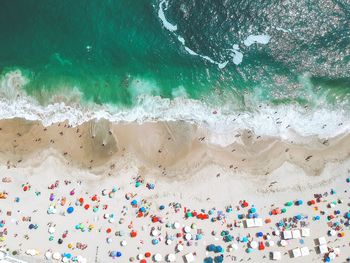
<point>284,121</point>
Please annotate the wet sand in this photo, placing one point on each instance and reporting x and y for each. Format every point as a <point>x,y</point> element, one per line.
<point>173,149</point>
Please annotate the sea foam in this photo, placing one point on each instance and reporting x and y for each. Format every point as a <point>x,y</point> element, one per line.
<point>282,121</point>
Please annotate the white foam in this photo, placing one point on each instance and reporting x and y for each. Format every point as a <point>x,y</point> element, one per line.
<point>283,30</point>
<point>260,39</point>
<point>162,17</point>
<point>237,56</point>
<point>173,28</point>
<point>280,121</point>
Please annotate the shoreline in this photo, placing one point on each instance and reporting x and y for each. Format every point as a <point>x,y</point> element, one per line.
<point>168,148</point>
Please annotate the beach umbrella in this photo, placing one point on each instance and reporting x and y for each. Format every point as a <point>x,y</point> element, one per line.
<point>288,203</point>
<point>70,210</point>
<point>179,247</point>
<point>252,210</point>
<point>133,233</point>
<point>224,233</point>
<point>171,257</point>
<point>119,254</point>
<point>188,236</point>
<point>259,234</point>
<point>299,202</point>
<point>244,239</point>
<point>187,229</point>
<point>176,225</point>
<point>283,210</point>
<point>155,241</point>
<point>219,259</point>
<point>51,230</point>
<point>113,254</point>
<point>161,207</point>
<point>261,246</point>
<point>218,249</point>
<point>56,256</point>
<point>67,255</point>
<point>123,243</point>
<point>158,257</point>
<point>208,260</point>
<point>211,247</point>
<point>48,255</point>
<point>249,250</point>
<point>298,217</point>
<point>31,226</point>
<point>228,238</point>
<point>154,232</point>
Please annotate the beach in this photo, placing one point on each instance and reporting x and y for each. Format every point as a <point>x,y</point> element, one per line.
<point>174,131</point>
<point>168,169</point>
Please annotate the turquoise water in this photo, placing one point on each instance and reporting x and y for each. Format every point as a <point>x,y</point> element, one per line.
<point>114,50</point>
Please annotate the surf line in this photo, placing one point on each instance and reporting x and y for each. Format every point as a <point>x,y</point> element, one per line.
<point>172,28</point>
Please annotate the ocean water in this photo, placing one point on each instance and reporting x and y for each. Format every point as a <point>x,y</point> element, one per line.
<point>265,65</point>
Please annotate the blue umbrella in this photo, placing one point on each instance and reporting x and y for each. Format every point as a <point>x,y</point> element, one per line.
<point>70,210</point>
<point>218,249</point>
<point>211,247</point>
<point>208,260</point>
<point>219,259</point>
<point>259,234</point>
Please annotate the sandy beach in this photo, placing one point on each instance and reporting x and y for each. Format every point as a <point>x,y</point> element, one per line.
<point>104,192</point>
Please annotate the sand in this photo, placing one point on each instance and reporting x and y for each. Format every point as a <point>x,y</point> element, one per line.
<point>185,167</point>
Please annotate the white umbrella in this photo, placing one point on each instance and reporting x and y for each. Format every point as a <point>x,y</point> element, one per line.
<point>154,232</point>
<point>48,255</point>
<point>56,256</point>
<point>171,258</point>
<point>187,229</point>
<point>51,230</point>
<point>158,257</point>
<point>176,225</point>
<point>188,236</point>
<point>179,247</point>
